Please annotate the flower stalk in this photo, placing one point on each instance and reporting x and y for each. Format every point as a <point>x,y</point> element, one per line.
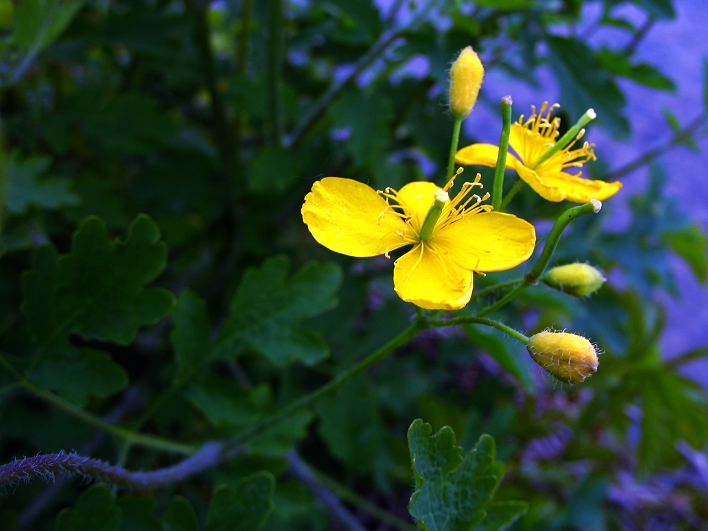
<point>498,187</point>
<point>532,278</point>
<point>453,148</point>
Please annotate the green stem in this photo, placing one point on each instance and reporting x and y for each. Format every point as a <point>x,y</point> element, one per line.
<point>123,433</point>
<point>496,287</point>
<point>518,185</point>
<point>498,187</point>
<point>398,341</point>
<point>453,148</point>
<point>440,323</point>
<point>593,207</point>
<point>531,278</point>
<point>275,65</point>
<point>158,443</point>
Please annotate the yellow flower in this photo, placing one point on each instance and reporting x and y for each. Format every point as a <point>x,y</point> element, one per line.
<point>532,138</point>
<point>351,218</point>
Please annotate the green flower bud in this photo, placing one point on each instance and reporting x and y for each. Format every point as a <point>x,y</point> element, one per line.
<point>575,279</point>
<point>568,357</point>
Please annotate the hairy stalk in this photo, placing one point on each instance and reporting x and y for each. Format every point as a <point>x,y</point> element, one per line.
<point>531,278</point>
<point>498,187</point>
<point>73,464</point>
<point>211,453</point>
<point>131,398</point>
<point>441,323</point>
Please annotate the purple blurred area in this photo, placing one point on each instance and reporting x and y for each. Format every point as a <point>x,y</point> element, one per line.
<point>678,48</point>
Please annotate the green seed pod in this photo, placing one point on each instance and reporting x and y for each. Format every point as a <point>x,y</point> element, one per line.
<point>575,279</point>
<point>568,357</point>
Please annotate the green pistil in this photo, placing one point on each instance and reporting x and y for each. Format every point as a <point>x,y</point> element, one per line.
<point>441,199</point>
<point>567,138</point>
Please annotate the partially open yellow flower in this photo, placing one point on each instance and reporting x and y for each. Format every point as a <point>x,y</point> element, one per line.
<point>530,139</point>
<point>351,218</point>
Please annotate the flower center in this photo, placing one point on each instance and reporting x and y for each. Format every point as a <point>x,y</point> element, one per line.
<point>442,213</point>
<point>539,149</point>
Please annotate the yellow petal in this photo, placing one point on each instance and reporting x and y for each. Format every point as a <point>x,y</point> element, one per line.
<point>579,190</point>
<point>431,280</point>
<point>546,190</point>
<point>416,198</point>
<point>484,155</point>
<point>487,241</point>
<point>349,217</point>
<point>528,145</point>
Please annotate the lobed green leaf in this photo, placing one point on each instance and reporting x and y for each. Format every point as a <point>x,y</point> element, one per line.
<point>268,309</point>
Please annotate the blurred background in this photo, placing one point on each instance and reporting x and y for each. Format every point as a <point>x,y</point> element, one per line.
<point>214,119</point>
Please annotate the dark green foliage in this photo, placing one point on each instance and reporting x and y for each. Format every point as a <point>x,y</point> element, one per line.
<point>244,508</point>
<point>268,308</point>
<point>179,516</point>
<point>96,510</point>
<point>97,290</point>
<point>159,290</point>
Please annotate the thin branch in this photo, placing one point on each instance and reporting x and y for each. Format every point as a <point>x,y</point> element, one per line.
<point>639,36</point>
<point>679,137</point>
<point>386,39</point>
<point>337,87</point>
<point>303,402</point>
<point>301,471</point>
<point>362,503</point>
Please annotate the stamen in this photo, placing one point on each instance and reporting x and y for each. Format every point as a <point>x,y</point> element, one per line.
<point>568,139</point>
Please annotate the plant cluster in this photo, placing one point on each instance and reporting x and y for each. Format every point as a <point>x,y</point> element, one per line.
<point>177,332</point>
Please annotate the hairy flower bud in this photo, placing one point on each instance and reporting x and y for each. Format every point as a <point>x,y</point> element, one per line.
<point>568,357</point>
<point>465,79</point>
<point>575,279</point>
